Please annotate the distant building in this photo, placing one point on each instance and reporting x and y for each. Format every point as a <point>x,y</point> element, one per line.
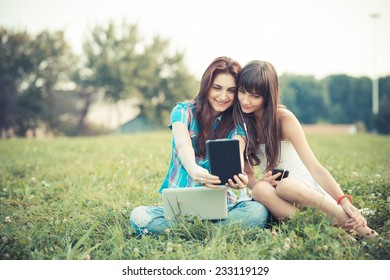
<point>112,115</point>
<point>139,124</point>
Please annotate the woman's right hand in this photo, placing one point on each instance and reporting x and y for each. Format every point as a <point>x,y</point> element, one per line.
<point>202,177</point>
<point>268,177</point>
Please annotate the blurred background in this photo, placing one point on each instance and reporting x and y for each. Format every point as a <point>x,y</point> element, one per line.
<point>70,68</point>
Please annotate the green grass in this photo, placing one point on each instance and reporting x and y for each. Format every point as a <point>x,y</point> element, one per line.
<point>70,198</point>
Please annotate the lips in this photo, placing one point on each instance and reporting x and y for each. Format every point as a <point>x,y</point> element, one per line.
<point>246,108</point>
<point>222,103</point>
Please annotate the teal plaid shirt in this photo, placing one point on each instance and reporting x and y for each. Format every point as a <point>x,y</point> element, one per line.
<point>177,176</point>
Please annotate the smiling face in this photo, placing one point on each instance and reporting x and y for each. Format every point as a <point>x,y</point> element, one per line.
<point>250,102</point>
<point>221,92</point>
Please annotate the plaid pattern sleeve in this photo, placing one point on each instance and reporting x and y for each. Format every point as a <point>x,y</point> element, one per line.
<point>177,176</point>
<point>181,113</point>
<point>238,131</point>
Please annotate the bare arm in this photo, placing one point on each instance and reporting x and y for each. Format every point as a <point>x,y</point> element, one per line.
<point>292,130</point>
<point>186,154</point>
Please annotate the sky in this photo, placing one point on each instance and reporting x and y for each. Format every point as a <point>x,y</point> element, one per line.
<point>305,37</point>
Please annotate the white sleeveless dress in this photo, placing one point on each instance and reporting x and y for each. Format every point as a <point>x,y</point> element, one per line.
<point>290,160</point>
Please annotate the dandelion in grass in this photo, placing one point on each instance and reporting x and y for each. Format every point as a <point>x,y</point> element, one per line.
<point>378,176</point>
<point>367,212</point>
<point>169,247</point>
<point>45,184</point>
<point>8,219</point>
<point>33,180</point>
<point>287,243</point>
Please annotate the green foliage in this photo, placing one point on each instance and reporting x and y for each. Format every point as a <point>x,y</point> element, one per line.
<point>120,64</point>
<point>382,121</point>
<point>338,99</point>
<point>304,96</point>
<point>43,84</point>
<point>67,198</point>
<point>34,70</point>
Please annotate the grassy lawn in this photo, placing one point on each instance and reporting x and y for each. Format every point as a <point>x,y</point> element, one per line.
<point>70,198</point>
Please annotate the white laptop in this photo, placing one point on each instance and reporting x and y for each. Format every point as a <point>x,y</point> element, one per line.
<point>205,203</point>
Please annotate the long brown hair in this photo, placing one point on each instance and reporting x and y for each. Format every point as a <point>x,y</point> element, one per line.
<point>259,77</point>
<point>203,108</point>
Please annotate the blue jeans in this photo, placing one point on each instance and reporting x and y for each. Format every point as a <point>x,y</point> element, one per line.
<point>150,219</point>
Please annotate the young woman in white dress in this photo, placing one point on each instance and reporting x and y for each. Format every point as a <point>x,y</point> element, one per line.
<point>275,139</point>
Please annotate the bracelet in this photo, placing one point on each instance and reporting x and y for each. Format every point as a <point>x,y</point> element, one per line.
<point>344,196</point>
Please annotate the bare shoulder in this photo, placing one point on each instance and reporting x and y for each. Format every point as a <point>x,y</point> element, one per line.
<point>289,123</point>
<point>286,115</point>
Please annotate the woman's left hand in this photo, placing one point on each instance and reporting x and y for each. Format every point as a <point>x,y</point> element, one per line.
<point>241,181</point>
<point>356,219</point>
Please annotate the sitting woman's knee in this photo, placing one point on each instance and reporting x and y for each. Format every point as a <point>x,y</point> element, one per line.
<point>285,186</point>
<point>139,217</point>
<point>262,190</point>
<point>291,190</point>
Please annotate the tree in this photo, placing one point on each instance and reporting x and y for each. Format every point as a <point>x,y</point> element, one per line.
<point>110,57</point>
<point>15,64</point>
<point>163,81</point>
<point>303,95</point>
<point>350,99</point>
<point>382,121</point>
<point>119,64</point>
<point>33,69</point>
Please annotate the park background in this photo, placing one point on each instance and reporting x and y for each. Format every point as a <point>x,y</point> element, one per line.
<point>70,68</point>
<point>76,75</point>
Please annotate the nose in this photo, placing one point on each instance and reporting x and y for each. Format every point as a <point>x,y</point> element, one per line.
<point>223,95</point>
<point>244,100</point>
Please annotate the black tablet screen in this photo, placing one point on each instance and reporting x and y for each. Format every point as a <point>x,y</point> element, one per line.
<point>224,158</point>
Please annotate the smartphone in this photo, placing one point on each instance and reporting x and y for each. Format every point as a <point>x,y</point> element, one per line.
<point>284,174</point>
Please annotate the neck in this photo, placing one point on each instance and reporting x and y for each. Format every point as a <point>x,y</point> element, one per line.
<point>215,114</point>
<point>259,115</point>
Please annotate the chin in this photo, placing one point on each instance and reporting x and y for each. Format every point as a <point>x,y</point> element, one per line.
<point>247,111</point>
<point>221,108</point>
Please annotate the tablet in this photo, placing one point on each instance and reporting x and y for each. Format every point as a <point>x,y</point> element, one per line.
<point>224,158</point>
<point>205,203</point>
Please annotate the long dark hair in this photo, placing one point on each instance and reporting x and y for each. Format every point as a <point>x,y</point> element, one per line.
<point>203,108</point>
<point>260,77</point>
